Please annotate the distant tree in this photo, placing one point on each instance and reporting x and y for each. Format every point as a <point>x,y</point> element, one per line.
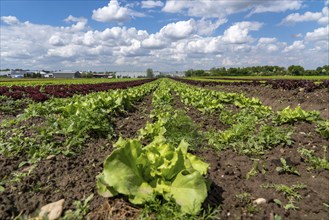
<point>296,70</point>
<point>192,72</point>
<point>233,71</point>
<point>113,74</point>
<point>149,73</point>
<point>188,73</point>
<point>323,70</point>
<point>161,76</point>
<point>310,73</point>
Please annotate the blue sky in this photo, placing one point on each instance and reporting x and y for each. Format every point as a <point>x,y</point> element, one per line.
<point>163,35</point>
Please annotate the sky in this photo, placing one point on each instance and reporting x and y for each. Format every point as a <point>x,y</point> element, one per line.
<point>172,35</point>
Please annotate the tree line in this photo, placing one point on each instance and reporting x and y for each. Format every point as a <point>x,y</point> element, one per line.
<point>294,70</point>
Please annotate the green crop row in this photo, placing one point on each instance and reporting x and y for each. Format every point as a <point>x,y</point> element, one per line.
<point>253,127</point>
<point>162,167</point>
<point>33,82</point>
<point>62,125</point>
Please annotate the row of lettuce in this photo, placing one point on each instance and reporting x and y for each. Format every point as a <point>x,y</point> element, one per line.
<point>155,163</point>
<point>41,93</point>
<point>253,127</point>
<point>58,81</point>
<point>285,84</point>
<point>61,125</point>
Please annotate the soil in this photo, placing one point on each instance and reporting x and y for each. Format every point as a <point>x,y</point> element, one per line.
<point>279,99</point>
<point>228,174</point>
<point>70,178</point>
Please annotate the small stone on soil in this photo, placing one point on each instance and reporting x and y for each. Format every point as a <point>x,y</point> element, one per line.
<point>50,157</point>
<point>259,201</point>
<point>52,210</point>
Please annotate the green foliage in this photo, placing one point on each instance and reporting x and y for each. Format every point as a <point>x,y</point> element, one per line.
<point>289,205</point>
<point>290,192</point>
<point>67,123</point>
<point>245,199</point>
<point>296,70</point>
<point>81,209</point>
<point>10,106</point>
<point>180,127</point>
<point>250,132</point>
<point>149,73</point>
<point>323,128</point>
<point>286,168</point>
<point>16,177</point>
<point>209,101</point>
<point>170,210</point>
<point>244,138</point>
<point>277,217</point>
<point>254,170</point>
<point>288,115</point>
<point>324,70</point>
<point>174,124</point>
<point>159,168</point>
<point>192,72</point>
<point>314,161</point>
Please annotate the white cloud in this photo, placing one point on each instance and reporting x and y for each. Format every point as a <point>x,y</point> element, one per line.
<point>238,33</point>
<point>296,46</point>
<point>266,40</point>
<point>325,18</point>
<point>151,4</point>
<point>222,8</point>
<point>179,30</point>
<point>269,45</point>
<point>318,34</point>
<point>80,23</point>
<point>207,27</point>
<point>111,12</point>
<point>10,20</point>
<point>114,12</point>
<point>320,17</point>
<point>56,40</point>
<point>174,6</point>
<point>184,29</point>
<point>276,6</point>
<point>210,45</point>
<point>154,41</point>
<point>64,52</point>
<point>322,46</point>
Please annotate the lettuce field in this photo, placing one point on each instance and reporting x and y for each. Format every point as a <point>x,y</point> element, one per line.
<point>165,149</point>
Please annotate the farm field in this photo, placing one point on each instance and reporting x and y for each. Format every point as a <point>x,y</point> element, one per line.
<point>239,151</point>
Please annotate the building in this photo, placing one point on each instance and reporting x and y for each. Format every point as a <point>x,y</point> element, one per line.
<point>5,73</point>
<point>66,74</point>
<point>17,73</point>
<point>46,74</point>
